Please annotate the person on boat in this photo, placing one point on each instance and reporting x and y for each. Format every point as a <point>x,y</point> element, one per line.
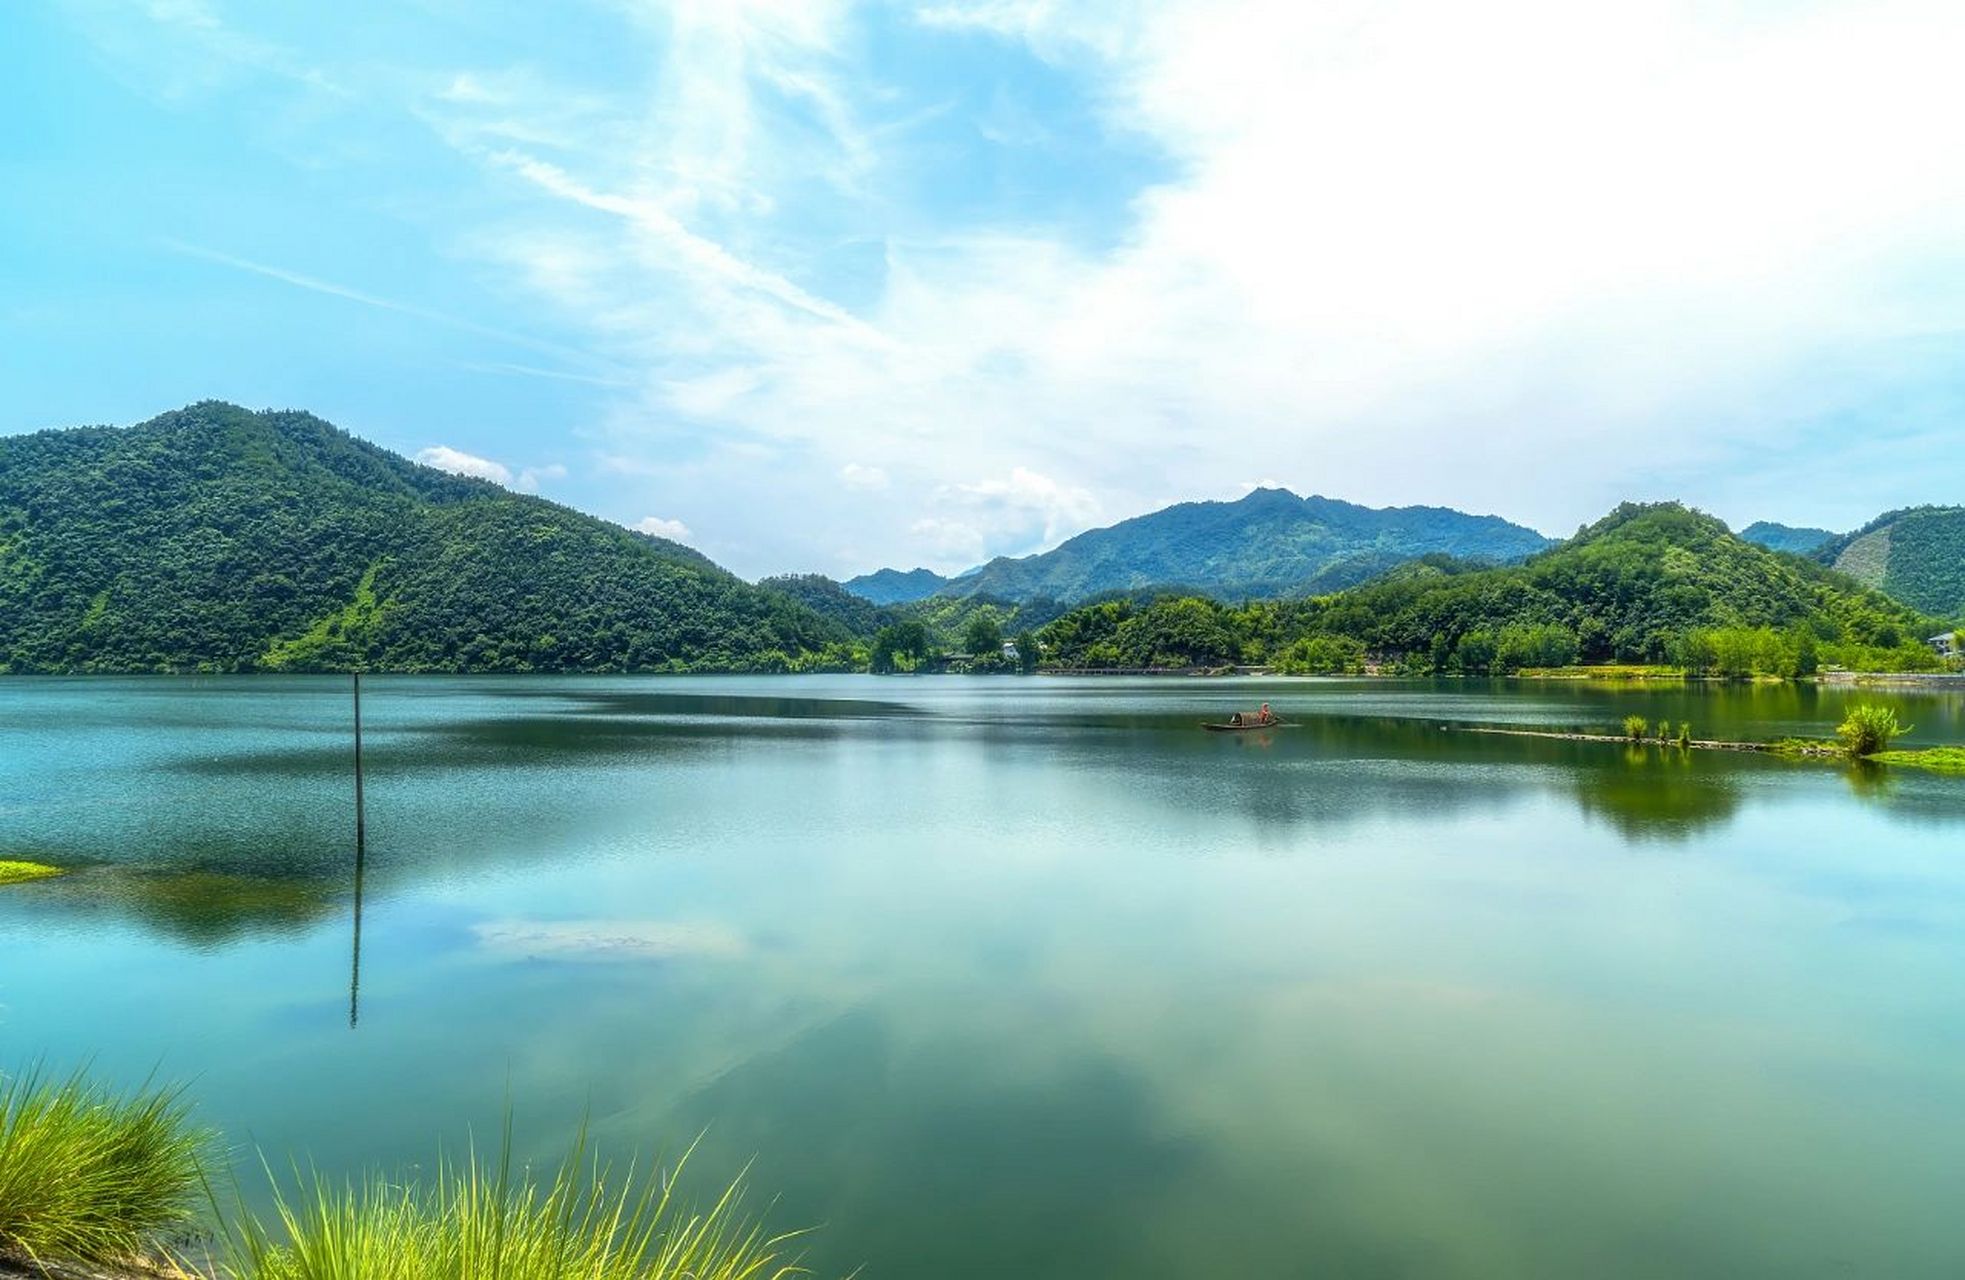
<point>1235,719</point>
<point>1265,716</point>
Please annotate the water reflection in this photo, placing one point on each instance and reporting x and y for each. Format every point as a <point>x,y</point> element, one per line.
<point>1035,978</point>
<point>239,828</point>
<point>1061,1164</point>
<point>202,909</point>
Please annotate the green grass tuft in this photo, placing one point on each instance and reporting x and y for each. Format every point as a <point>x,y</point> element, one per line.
<point>1868,730</point>
<point>474,1220</point>
<point>90,1176</point>
<point>1936,759</point>
<point>22,872</point>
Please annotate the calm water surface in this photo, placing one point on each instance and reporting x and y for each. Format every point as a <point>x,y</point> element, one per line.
<point>1031,977</point>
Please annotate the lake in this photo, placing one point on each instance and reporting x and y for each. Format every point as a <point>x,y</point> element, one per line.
<point>1030,977</point>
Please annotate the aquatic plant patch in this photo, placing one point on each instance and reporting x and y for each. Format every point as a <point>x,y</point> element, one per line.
<point>21,872</point>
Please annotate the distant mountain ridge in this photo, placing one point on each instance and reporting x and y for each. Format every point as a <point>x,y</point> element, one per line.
<point>214,538</point>
<point>1269,543</point>
<point>1916,555</point>
<point>1654,583</point>
<point>1797,539</point>
<point>895,586</point>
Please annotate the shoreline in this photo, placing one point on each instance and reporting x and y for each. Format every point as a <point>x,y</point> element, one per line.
<point>1798,748</point>
<point>1945,761</point>
<point>1611,673</point>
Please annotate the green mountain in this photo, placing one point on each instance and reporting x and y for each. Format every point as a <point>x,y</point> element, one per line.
<point>1795,539</point>
<point>1916,555</point>
<point>857,615</point>
<point>213,538</point>
<point>895,586</point>
<point>1657,583</point>
<point>1270,543</point>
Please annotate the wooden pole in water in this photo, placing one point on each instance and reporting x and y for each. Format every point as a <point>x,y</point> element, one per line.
<point>361,825</point>
<point>355,970</point>
<point>361,866</point>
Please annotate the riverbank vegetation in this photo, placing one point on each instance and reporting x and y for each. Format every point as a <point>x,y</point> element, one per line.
<point>92,1176</point>
<point>1869,729</point>
<point>88,1176</point>
<point>1613,671</point>
<point>22,872</point>
<point>472,1220</point>
<point>1949,760</point>
<point>1863,737</point>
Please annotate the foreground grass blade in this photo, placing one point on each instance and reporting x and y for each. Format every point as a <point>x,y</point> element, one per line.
<point>478,1221</point>
<point>87,1175</point>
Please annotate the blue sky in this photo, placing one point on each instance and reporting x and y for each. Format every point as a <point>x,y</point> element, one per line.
<point>827,286</point>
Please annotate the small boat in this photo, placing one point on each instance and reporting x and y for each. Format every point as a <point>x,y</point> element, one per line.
<point>1245,727</point>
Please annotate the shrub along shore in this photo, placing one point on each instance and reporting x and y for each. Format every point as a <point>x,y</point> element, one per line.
<point>1864,736</point>
<point>100,1186</point>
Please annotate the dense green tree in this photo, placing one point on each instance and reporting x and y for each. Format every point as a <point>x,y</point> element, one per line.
<point>1475,651</point>
<point>1322,655</point>
<point>1029,654</point>
<point>900,646</point>
<point>983,636</point>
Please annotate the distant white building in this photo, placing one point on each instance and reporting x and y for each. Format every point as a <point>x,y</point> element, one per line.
<point>1946,644</point>
<point>1010,651</point>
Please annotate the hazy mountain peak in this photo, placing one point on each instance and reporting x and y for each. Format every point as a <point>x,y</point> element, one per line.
<point>1269,541</point>
<point>1798,539</point>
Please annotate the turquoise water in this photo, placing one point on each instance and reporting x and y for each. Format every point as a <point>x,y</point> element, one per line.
<point>999,977</point>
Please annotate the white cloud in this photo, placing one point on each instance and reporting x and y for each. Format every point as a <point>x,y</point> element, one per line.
<point>1443,233</point>
<point>456,461</point>
<point>531,478</point>
<point>445,458</point>
<point>952,543</point>
<point>860,476</point>
<point>1024,512</point>
<point>673,530</point>
<point>1392,247</point>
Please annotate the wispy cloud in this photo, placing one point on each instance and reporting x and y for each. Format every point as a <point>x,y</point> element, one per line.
<point>314,284</point>
<point>858,475</point>
<point>691,252</point>
<point>533,371</point>
<point>222,49</point>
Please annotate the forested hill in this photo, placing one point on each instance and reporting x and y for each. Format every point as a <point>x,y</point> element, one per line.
<point>1797,539</point>
<point>892,586</point>
<point>1916,555</point>
<point>1656,584</point>
<point>1270,543</point>
<point>214,538</point>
